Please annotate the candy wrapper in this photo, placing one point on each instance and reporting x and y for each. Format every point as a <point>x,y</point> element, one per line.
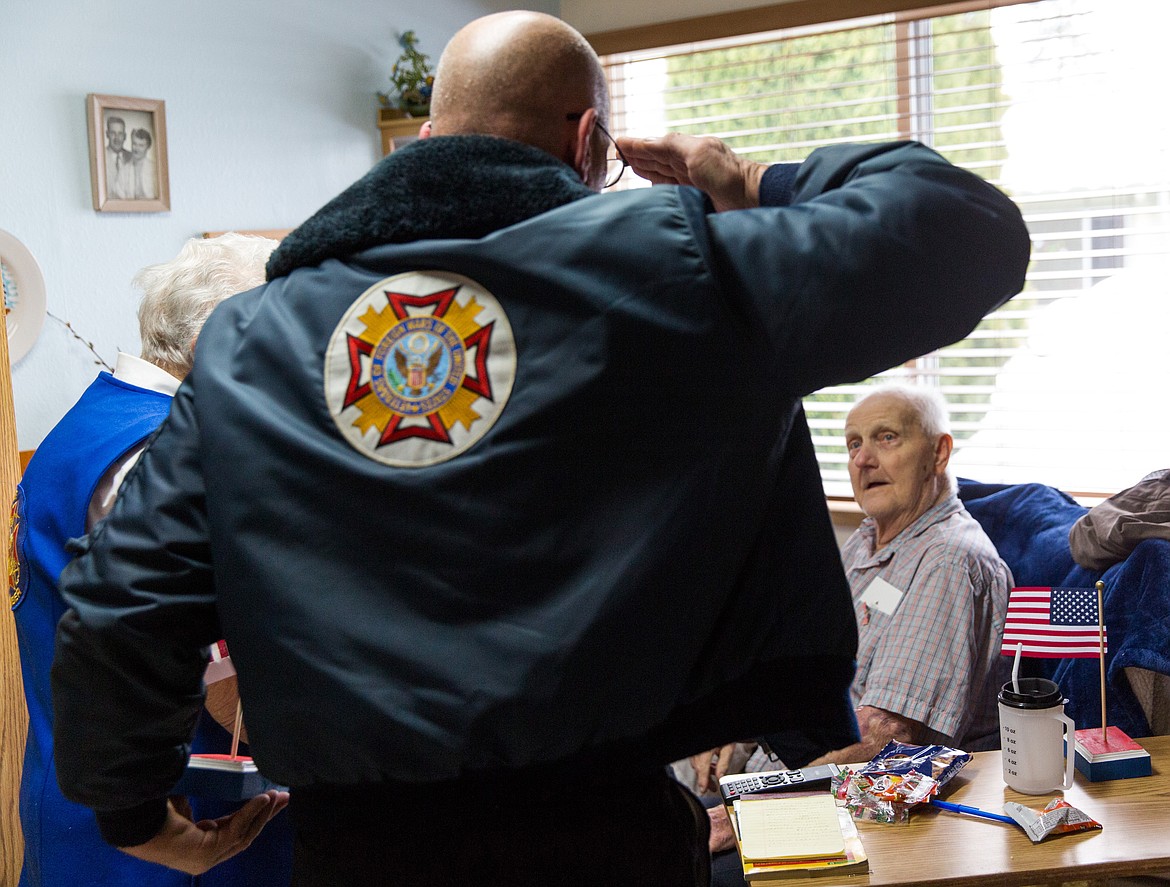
<point>883,797</point>
<point>897,778</point>
<point>1058,817</point>
<point>936,761</point>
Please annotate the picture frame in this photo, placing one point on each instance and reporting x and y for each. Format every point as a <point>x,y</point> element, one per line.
<point>132,177</point>
<point>397,130</point>
<point>270,233</point>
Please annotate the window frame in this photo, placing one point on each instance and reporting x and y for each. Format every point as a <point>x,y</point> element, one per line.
<point>775,17</point>
<point>810,13</point>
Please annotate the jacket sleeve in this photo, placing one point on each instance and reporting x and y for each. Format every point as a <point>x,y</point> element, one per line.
<point>127,673</point>
<point>885,253</point>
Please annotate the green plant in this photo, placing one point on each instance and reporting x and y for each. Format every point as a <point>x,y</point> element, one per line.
<point>412,79</point>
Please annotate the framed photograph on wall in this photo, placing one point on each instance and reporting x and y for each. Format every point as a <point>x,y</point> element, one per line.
<point>128,154</point>
<point>270,233</point>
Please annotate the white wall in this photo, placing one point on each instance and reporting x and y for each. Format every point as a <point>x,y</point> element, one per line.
<point>598,16</point>
<point>270,112</point>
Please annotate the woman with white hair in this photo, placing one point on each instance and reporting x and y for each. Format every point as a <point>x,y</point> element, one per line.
<point>71,484</point>
<point>180,294</point>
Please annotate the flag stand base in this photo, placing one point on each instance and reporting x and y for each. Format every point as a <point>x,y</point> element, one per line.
<point>1117,757</point>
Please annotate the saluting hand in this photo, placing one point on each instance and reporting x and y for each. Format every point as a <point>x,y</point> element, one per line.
<point>731,181</point>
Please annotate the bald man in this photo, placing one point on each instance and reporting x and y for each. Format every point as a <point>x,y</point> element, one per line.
<point>491,485</point>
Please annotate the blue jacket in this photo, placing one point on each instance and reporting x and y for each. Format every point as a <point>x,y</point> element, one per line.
<point>496,473</point>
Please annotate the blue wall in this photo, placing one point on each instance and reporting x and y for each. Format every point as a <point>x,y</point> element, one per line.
<point>270,111</point>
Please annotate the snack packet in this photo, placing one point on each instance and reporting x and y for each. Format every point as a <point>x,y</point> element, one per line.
<point>1058,817</point>
<point>897,778</point>
<point>936,761</point>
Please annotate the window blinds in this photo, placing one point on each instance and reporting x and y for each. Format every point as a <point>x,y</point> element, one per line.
<point>1054,102</point>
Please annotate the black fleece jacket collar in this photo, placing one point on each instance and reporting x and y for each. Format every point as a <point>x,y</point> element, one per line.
<point>450,186</point>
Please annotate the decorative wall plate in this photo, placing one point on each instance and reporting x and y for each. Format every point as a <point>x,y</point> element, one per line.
<point>24,295</point>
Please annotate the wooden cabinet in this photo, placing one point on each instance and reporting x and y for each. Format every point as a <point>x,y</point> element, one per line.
<point>397,130</point>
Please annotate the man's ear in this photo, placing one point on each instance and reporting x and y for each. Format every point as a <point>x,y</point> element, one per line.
<point>942,452</point>
<point>424,131</point>
<point>582,148</point>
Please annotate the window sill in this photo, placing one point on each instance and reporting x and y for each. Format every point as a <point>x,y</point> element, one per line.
<point>846,511</point>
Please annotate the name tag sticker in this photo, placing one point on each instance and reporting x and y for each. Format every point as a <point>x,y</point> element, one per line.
<point>882,596</point>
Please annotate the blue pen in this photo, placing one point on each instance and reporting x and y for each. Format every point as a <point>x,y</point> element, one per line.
<point>973,811</point>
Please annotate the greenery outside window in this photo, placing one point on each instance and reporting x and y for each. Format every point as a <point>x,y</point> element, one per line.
<point>1054,101</point>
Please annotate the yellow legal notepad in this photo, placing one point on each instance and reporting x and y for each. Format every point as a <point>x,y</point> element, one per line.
<point>790,828</point>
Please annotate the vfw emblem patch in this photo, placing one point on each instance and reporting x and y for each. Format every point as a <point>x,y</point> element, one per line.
<point>419,368</point>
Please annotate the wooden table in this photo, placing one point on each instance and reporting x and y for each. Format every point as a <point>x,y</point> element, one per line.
<point>937,847</point>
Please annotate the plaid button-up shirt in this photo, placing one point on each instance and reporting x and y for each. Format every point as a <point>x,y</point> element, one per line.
<point>934,658</point>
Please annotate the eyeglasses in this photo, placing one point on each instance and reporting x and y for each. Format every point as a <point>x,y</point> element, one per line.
<point>615,165</point>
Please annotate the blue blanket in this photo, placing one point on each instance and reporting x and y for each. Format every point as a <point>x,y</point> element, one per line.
<point>1029,524</point>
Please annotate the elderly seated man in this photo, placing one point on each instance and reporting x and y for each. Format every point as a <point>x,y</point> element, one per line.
<point>929,591</point>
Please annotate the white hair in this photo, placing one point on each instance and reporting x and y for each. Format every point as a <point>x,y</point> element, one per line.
<point>929,408</point>
<point>179,295</point>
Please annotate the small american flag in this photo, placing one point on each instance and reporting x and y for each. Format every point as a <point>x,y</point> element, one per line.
<point>1053,623</point>
<point>220,666</point>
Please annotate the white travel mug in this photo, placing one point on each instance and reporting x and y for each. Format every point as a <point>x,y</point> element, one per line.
<point>1036,737</point>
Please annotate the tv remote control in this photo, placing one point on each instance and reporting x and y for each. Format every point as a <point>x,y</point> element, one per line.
<point>806,778</point>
